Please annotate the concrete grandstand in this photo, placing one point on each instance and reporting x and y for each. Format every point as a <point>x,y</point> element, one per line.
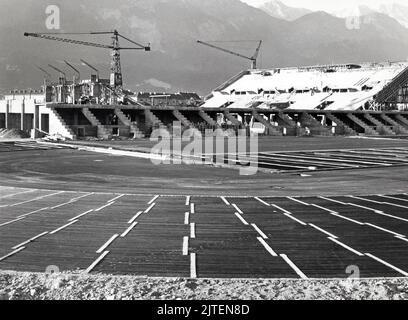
<point>349,99</point>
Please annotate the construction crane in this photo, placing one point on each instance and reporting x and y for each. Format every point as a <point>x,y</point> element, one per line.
<point>253,58</point>
<point>90,66</point>
<point>62,73</point>
<point>45,72</point>
<point>73,68</point>
<point>115,67</point>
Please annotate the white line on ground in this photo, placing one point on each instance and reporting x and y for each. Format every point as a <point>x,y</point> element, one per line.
<point>116,198</point>
<point>385,230</point>
<point>393,198</point>
<point>192,208</point>
<point>238,209</point>
<point>293,266</point>
<point>63,227</point>
<point>395,205</point>
<point>104,206</point>
<point>32,212</point>
<point>135,217</point>
<point>188,200</point>
<point>346,218</point>
<point>363,207</point>
<point>11,254</point>
<point>81,215</point>
<point>323,208</point>
<point>387,264</point>
<point>15,194</point>
<point>10,222</point>
<point>192,230</point>
<point>391,216</point>
<point>262,201</point>
<point>96,262</point>
<point>153,199</point>
<point>124,234</point>
<point>193,266</point>
<point>107,243</point>
<point>322,230</point>
<point>298,201</point>
<point>281,209</point>
<point>295,219</point>
<point>30,240</point>
<point>263,235</point>
<point>346,247</point>
<point>85,195</point>
<point>267,247</point>
<point>335,201</point>
<point>35,199</point>
<point>225,201</point>
<point>402,238</point>
<point>185,246</point>
<point>364,199</point>
<point>186,217</point>
<point>241,218</point>
<point>150,208</point>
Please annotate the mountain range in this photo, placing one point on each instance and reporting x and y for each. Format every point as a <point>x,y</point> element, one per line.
<point>172,27</point>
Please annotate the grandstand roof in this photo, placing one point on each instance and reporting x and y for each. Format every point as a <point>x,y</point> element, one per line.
<point>330,87</point>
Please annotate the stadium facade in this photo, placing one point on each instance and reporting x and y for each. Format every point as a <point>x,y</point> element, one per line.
<point>370,99</point>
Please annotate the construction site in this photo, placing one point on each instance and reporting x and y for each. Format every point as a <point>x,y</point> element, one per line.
<point>330,191</point>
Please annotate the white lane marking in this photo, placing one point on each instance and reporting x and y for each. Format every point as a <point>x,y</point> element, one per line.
<point>364,199</point>
<point>332,200</point>
<point>96,262</point>
<point>395,205</point>
<point>363,207</point>
<point>385,230</point>
<point>346,218</point>
<point>402,238</point>
<point>293,218</point>
<point>192,208</point>
<point>10,222</point>
<point>298,201</point>
<point>185,246</point>
<point>188,200</point>
<point>116,198</point>
<point>225,201</point>
<point>104,206</point>
<point>124,234</point>
<point>262,201</point>
<point>135,217</point>
<point>391,216</point>
<point>70,201</point>
<point>324,231</point>
<point>387,264</point>
<point>192,230</point>
<point>281,209</point>
<point>30,240</point>
<point>107,243</point>
<point>393,198</point>
<point>150,208</point>
<point>11,254</point>
<point>81,215</point>
<point>15,194</point>
<point>32,212</point>
<point>346,247</point>
<point>85,195</point>
<point>267,247</point>
<point>241,218</point>
<point>263,235</point>
<point>63,227</point>
<point>186,217</point>
<point>323,208</point>
<point>193,266</point>
<point>238,209</point>
<point>293,266</point>
<point>35,199</point>
<point>153,199</point>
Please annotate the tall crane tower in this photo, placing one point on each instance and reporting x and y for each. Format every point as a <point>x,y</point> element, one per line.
<point>116,81</point>
<point>252,58</point>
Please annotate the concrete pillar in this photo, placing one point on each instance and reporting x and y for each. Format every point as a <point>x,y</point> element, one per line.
<point>36,124</point>
<point>22,115</point>
<point>7,120</point>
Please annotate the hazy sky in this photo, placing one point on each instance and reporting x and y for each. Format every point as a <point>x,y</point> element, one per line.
<point>330,5</point>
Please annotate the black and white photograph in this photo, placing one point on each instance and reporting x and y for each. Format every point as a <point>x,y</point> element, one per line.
<point>180,151</point>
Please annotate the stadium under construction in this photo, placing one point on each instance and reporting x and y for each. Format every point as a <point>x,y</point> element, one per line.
<point>367,99</point>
